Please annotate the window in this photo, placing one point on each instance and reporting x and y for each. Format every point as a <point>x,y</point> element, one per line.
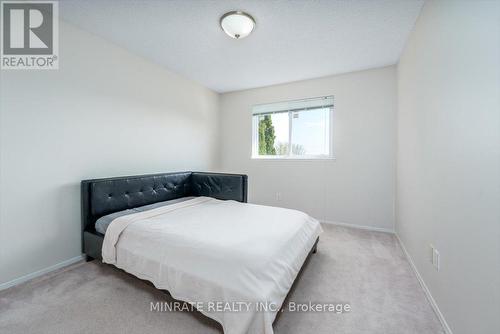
<point>293,130</point>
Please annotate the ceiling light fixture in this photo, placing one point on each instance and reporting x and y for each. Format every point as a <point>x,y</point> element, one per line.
<point>237,24</point>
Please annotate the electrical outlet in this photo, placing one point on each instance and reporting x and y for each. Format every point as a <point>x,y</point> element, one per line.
<point>434,257</point>
<point>278,196</point>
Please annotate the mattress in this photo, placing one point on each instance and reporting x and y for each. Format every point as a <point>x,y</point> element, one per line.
<point>210,252</point>
<point>101,225</point>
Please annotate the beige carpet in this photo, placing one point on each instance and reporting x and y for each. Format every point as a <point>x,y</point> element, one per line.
<point>365,269</point>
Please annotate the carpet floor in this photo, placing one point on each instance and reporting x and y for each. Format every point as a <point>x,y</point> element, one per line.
<point>364,269</point>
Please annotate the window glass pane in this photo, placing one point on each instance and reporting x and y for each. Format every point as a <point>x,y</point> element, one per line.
<point>311,132</point>
<point>272,134</point>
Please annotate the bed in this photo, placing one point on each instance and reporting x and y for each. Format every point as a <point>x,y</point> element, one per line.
<point>195,235</point>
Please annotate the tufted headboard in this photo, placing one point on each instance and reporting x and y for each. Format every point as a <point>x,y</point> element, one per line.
<point>104,196</point>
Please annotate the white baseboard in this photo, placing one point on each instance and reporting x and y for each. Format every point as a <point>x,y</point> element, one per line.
<point>427,292</point>
<point>41,272</point>
<point>361,227</point>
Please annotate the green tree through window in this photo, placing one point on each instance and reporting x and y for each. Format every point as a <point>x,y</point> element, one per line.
<point>266,136</point>
<point>282,149</point>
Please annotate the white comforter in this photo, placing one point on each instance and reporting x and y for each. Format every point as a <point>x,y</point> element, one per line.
<point>216,253</point>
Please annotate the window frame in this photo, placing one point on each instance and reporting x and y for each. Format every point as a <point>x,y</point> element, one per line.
<point>290,156</point>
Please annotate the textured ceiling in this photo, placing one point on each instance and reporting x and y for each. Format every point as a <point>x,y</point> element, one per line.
<point>293,40</point>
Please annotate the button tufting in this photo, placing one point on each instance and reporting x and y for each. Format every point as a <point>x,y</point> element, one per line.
<point>152,190</point>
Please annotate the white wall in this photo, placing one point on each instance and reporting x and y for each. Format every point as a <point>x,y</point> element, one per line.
<point>357,188</point>
<point>105,112</point>
<point>448,158</point>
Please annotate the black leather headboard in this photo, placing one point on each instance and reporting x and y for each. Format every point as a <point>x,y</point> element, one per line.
<point>220,186</point>
<point>104,196</point>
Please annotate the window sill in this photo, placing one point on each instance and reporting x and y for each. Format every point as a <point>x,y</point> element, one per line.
<point>293,158</point>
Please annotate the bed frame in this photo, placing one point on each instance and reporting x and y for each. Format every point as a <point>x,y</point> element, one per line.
<point>101,197</point>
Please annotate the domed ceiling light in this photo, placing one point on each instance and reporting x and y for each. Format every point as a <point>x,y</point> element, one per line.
<point>237,24</point>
